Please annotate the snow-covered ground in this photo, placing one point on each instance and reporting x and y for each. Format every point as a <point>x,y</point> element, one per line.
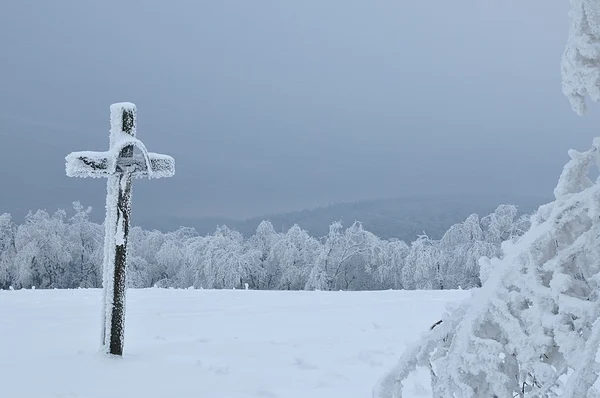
<point>206,343</point>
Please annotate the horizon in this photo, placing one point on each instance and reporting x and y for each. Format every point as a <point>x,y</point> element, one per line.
<point>434,220</point>
<point>21,214</point>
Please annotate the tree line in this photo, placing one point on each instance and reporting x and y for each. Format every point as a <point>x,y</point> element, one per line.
<point>62,251</point>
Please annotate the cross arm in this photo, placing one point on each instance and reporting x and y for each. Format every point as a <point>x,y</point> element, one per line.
<point>89,164</point>
<point>162,165</point>
<point>104,164</point>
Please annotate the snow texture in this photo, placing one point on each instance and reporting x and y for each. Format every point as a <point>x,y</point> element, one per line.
<point>581,59</point>
<point>215,344</point>
<point>532,329</point>
<point>574,177</point>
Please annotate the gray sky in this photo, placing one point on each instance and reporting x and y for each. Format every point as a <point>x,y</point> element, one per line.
<point>277,105</point>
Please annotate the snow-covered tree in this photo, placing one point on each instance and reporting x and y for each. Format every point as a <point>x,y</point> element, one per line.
<point>422,268</point>
<point>295,254</point>
<point>352,258</point>
<point>226,265</point>
<point>86,243</point>
<point>266,273</point>
<point>533,329</point>
<point>504,224</point>
<point>390,261</point>
<point>143,267</point>
<point>43,252</point>
<point>581,59</point>
<point>8,251</point>
<point>460,250</point>
<point>534,322</point>
<point>194,274</point>
<point>344,258</point>
<point>175,266</point>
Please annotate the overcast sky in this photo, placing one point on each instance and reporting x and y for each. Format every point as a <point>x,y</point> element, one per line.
<point>277,105</point>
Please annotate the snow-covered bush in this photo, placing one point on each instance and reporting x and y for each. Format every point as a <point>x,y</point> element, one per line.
<point>532,329</point>
<point>533,323</point>
<point>581,60</point>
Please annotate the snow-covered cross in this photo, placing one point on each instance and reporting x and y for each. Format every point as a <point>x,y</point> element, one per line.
<point>127,158</point>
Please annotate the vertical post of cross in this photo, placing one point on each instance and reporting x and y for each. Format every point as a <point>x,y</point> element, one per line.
<point>123,121</point>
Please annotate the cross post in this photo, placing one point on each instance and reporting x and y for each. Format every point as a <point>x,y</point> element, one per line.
<point>126,159</point>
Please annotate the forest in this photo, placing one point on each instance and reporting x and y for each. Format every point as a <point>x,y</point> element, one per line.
<point>62,250</point>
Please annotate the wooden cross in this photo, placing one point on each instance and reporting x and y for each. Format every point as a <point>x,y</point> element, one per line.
<point>127,158</point>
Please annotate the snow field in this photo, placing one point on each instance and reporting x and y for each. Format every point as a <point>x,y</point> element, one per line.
<point>212,343</point>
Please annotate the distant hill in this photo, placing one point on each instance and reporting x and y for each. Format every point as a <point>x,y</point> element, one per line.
<point>403,218</point>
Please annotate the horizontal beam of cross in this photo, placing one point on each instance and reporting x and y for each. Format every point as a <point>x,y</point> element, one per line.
<point>100,164</point>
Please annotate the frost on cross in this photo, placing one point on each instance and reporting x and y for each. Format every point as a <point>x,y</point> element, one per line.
<point>126,158</point>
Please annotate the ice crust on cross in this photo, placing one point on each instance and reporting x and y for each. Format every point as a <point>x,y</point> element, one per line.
<point>149,164</point>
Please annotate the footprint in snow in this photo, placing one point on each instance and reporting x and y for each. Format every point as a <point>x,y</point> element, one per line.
<point>216,369</point>
<point>302,364</point>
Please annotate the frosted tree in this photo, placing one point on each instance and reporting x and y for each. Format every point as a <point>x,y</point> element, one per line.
<point>266,273</point>
<point>343,259</point>
<point>504,224</point>
<point>295,253</point>
<point>143,268</point>
<point>178,268</point>
<point>422,265</point>
<point>390,261</point>
<point>465,243</point>
<point>460,249</point>
<point>43,252</point>
<point>226,265</point>
<point>137,277</point>
<point>533,329</point>
<point>8,251</point>
<point>196,251</point>
<point>323,273</point>
<point>358,273</point>
<point>581,59</point>
<point>534,320</point>
<point>86,249</point>
<point>352,258</point>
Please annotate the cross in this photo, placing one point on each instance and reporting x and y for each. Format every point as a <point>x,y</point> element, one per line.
<point>126,159</point>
